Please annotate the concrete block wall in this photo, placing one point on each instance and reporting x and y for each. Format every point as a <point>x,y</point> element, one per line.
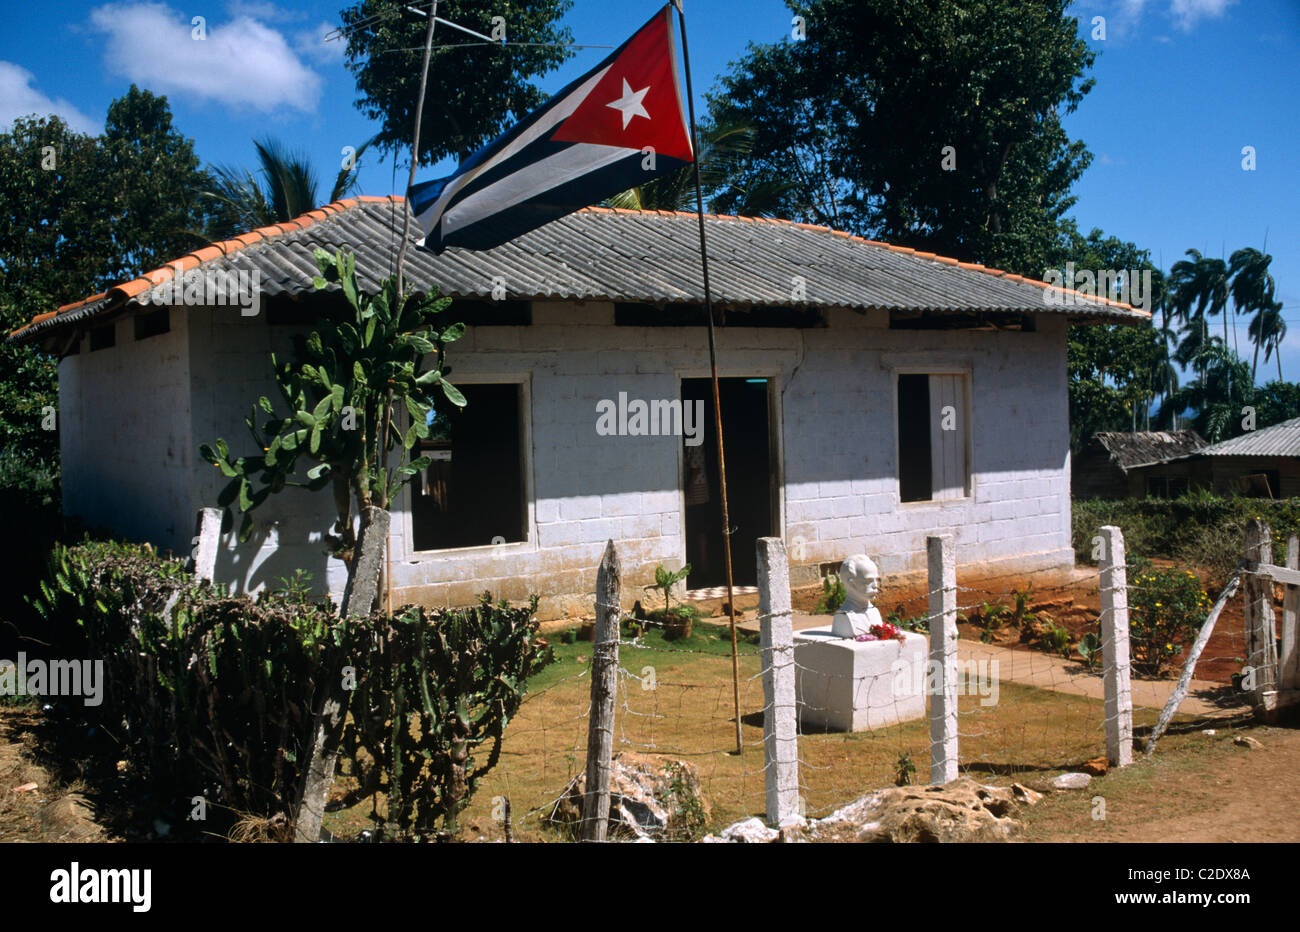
<point>230,370</point>
<point>124,435</point>
<point>833,390</point>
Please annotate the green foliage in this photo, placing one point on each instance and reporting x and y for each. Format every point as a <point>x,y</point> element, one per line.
<point>474,90</point>
<point>1089,648</point>
<point>904,770</point>
<point>1166,608</point>
<point>1199,530</point>
<point>991,78</point>
<point>832,597</point>
<point>692,819</point>
<point>988,617</point>
<point>665,580</point>
<point>676,623</point>
<point>239,201</point>
<point>341,394</point>
<point>1056,639</point>
<point>206,694</point>
<point>1021,598</point>
<point>917,623</point>
<point>82,213</point>
<point>212,695</point>
<point>430,712</point>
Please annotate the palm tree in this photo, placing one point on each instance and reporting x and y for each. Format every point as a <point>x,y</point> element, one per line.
<point>1201,283</point>
<point>287,189</point>
<point>1252,290</point>
<point>722,149</point>
<point>1217,395</point>
<point>1271,332</point>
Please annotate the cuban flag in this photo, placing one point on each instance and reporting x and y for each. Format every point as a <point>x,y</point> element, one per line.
<point>614,128</point>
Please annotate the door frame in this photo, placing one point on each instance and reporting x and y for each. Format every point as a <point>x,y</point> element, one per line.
<point>775,444</point>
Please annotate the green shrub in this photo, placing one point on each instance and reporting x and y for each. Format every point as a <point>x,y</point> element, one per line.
<point>1196,530</point>
<point>212,695</point>
<point>1056,639</point>
<point>1166,608</point>
<point>832,597</point>
<point>1089,648</point>
<point>430,710</point>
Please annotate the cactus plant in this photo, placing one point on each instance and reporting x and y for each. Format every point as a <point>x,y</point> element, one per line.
<point>341,395</point>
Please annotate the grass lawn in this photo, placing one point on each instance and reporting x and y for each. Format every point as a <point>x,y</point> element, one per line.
<point>676,699</point>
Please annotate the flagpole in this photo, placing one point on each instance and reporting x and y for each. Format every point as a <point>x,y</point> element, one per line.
<point>713,368</point>
<point>401,261</point>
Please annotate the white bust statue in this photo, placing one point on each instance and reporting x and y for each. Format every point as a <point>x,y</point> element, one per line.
<point>861,581</point>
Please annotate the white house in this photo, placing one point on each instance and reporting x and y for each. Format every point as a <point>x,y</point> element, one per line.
<point>871,395</point>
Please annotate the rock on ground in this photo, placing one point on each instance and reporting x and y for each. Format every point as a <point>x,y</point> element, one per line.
<point>652,797</point>
<point>1072,781</point>
<point>960,811</point>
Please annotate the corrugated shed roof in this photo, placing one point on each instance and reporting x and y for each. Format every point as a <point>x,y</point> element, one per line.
<point>1279,440</point>
<point>1130,449</point>
<point>649,257</point>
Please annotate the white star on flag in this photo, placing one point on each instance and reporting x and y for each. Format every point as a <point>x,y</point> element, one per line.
<point>630,103</point>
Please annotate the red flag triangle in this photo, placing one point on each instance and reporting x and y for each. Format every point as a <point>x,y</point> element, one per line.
<point>637,103</point>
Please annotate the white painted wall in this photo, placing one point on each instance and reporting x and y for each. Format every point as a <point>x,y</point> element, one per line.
<point>231,369</point>
<point>835,389</point>
<point>124,436</point>
<point>131,459</point>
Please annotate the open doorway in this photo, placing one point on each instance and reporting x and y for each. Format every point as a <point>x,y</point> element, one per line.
<point>746,430</point>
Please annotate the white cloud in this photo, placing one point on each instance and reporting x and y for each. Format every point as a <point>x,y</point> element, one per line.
<point>19,98</point>
<point>241,63</point>
<point>1187,12</point>
<point>314,44</point>
<point>1125,16</point>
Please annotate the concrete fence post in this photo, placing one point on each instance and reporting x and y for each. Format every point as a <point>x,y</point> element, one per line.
<point>942,557</point>
<point>1115,648</point>
<point>207,541</point>
<point>780,712</point>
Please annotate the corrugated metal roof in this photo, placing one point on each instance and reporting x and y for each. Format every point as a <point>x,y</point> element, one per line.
<point>1279,440</point>
<point>649,257</point>
<point>1130,449</point>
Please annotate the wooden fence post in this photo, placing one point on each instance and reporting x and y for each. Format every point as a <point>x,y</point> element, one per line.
<point>780,713</point>
<point>1115,648</point>
<point>604,691</point>
<point>1261,646</point>
<point>942,558</point>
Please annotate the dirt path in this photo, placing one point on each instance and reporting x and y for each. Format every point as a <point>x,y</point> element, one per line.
<point>1047,671</point>
<point>33,806</point>
<point>1216,792</point>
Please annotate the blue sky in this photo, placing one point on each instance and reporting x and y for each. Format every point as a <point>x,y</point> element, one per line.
<point>1182,87</point>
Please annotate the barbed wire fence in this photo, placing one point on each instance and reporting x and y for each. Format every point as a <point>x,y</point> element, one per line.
<point>827,719</point>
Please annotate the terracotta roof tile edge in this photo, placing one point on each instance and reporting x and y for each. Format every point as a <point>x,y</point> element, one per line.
<point>141,283</point>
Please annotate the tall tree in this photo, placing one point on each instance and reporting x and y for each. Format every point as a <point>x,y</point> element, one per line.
<point>475,90</point>
<point>790,163</point>
<point>1200,291</point>
<point>81,213</point>
<point>1218,395</point>
<point>940,122</point>
<point>1252,291</point>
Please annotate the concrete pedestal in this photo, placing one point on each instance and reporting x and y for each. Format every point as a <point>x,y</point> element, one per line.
<point>846,685</point>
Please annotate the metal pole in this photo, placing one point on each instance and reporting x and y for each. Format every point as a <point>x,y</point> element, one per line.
<point>713,367</point>
<point>401,262</point>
